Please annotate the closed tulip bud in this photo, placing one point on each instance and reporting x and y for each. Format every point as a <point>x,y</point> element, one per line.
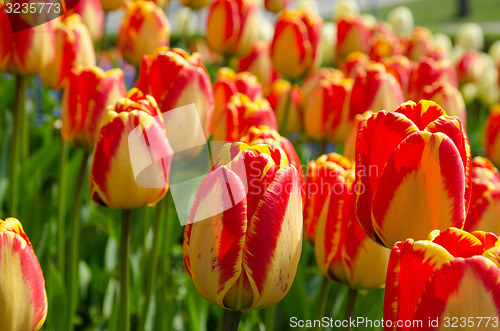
<point>112,181</point>
<point>452,275</point>
<point>427,72</point>
<point>345,8</point>
<point>144,28</point>
<point>343,251</point>
<point>484,208</point>
<point>470,36</point>
<point>73,48</point>
<point>309,84</point>
<point>327,114</point>
<point>470,67</point>
<point>383,43</point>
<point>195,4</point>
<point>89,92</point>
<point>110,5</point>
<point>427,158</point>
<point>275,6</point>
<point>23,300</point>
<point>259,63</point>
<point>240,114</point>
<point>295,49</point>
<point>401,68</point>
<point>232,26</point>
<point>374,89</point>
<point>28,51</point>
<point>353,63</point>
<point>448,97</point>
<point>353,35</point>
<point>420,43</point>
<point>227,84</point>
<point>401,20</point>
<point>350,142</point>
<point>279,100</point>
<point>92,16</point>
<point>492,135</point>
<point>175,78</point>
<point>443,42</point>
<point>246,256</point>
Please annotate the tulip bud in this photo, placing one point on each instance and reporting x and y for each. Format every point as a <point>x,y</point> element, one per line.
<point>353,63</point>
<point>353,35</point>
<point>23,300</point>
<point>89,92</point>
<point>452,275</point>
<point>427,158</point>
<point>227,84</point>
<point>175,78</point>
<point>401,20</point>
<point>232,26</point>
<point>420,43</point>
<point>427,72</point>
<point>345,8</point>
<point>448,97</point>
<point>309,84</point>
<point>240,114</point>
<point>470,67</point>
<point>350,142</point>
<point>110,5</point>
<point>28,51</point>
<point>73,48</point>
<point>491,135</point>
<point>470,36</point>
<point>343,252</point>
<point>383,43</point>
<point>112,181</point>
<point>296,43</point>
<point>280,98</point>
<point>92,16</point>
<point>401,68</point>
<point>144,28</point>
<point>275,6</point>
<point>327,114</point>
<point>246,256</point>
<point>195,4</point>
<point>259,63</point>
<point>374,89</point>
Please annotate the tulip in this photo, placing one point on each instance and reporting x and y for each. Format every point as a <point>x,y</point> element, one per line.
<point>353,35</point>
<point>494,51</point>
<point>327,114</point>
<point>92,16</point>
<point>353,63</point>
<point>23,300</point>
<point>240,114</point>
<point>195,4</point>
<point>112,181</point>
<point>413,172</point>
<point>470,67</point>
<point>419,44</point>
<point>279,100</point>
<point>258,62</point>
<point>232,27</point>
<point>310,82</point>
<point>227,84</point>
<point>343,251</point>
<point>175,78</point>
<point>452,275</point>
<point>144,28</point>
<point>485,199</point>
<point>159,3</point>
<point>28,51</point>
<point>470,36</point>
<point>374,89</point>
<point>328,41</point>
<point>296,43</point>
<point>401,68</point>
<point>246,256</point>
<point>401,20</point>
<point>73,48</point>
<point>110,5</point>
<point>350,142</point>
<point>345,8</point>
<point>448,97</point>
<point>275,6</point>
<point>258,135</point>
<point>491,135</point>
<point>383,43</point>
<point>89,92</point>
<point>427,72</point>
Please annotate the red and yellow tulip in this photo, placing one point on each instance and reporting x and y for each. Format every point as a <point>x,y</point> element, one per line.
<point>110,5</point>
<point>296,43</point>
<point>73,48</point>
<point>92,16</point>
<point>452,275</point>
<point>419,44</point>
<point>470,67</point>
<point>343,251</point>
<point>401,68</point>
<point>492,135</point>
<point>246,257</point>
<point>353,35</point>
<point>350,142</point>
<point>227,84</point>
<point>259,63</point>
<point>23,300</point>
<point>112,181</point>
<point>427,72</point>
<point>448,97</point>
<point>144,28</point>
<point>311,81</point>
<point>240,114</point>
<point>232,26</point>
<point>413,172</point>
<point>89,92</point>
<point>275,6</point>
<point>353,63</point>
<point>280,92</point>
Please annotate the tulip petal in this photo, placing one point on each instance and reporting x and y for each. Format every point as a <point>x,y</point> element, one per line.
<point>458,243</point>
<point>421,114</point>
<point>423,175</point>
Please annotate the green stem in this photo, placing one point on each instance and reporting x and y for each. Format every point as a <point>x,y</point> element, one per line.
<point>153,264</point>
<point>61,225</point>
<point>323,297</point>
<point>166,318</point>
<point>230,320</point>
<point>269,317</point>
<point>17,135</point>
<point>349,306</point>
<point>103,40</point>
<point>226,60</point>
<point>283,126</point>
<point>124,270</point>
<point>74,240</point>
<point>322,147</point>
